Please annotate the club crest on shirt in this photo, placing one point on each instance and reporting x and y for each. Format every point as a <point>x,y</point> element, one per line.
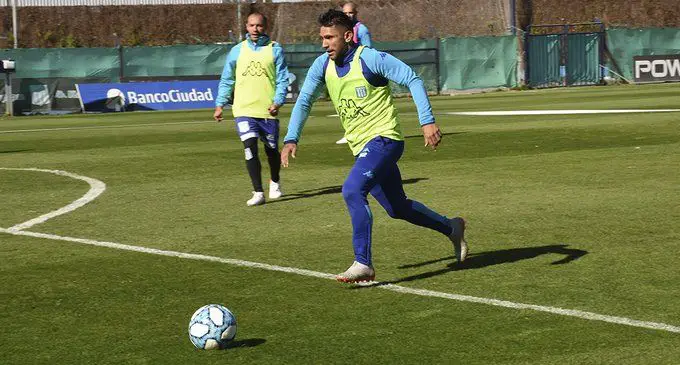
<point>361,91</point>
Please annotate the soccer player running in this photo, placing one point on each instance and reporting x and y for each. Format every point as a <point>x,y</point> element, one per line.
<point>256,73</point>
<point>357,81</point>
<point>362,36</point>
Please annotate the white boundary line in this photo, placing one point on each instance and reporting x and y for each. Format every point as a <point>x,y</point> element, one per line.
<point>546,112</point>
<point>100,127</point>
<point>561,112</point>
<point>391,287</point>
<point>96,188</point>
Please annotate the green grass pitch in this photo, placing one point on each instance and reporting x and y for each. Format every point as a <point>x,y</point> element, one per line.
<point>578,212</point>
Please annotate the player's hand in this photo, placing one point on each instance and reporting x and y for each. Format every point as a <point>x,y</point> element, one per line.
<point>218,114</point>
<point>432,135</point>
<point>274,110</point>
<point>289,149</point>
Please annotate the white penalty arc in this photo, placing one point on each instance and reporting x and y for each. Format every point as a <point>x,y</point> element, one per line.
<point>96,188</point>
<point>561,112</point>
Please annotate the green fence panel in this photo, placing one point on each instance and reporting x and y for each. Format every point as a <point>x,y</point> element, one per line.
<point>544,60</point>
<point>421,55</point>
<point>478,62</point>
<point>179,61</point>
<point>583,59</point>
<point>64,62</point>
<point>45,77</point>
<point>299,57</point>
<point>302,55</point>
<point>624,44</point>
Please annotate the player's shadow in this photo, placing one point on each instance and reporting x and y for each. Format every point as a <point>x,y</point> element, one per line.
<point>489,258</point>
<point>249,342</point>
<point>16,151</point>
<point>328,190</point>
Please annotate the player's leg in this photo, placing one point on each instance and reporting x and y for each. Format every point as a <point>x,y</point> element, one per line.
<point>363,176</point>
<point>355,190</point>
<point>269,134</point>
<point>390,194</point>
<point>247,130</point>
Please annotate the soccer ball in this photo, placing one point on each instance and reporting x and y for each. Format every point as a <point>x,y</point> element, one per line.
<point>212,326</point>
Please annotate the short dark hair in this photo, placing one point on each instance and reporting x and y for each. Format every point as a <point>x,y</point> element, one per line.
<point>264,18</point>
<point>335,17</point>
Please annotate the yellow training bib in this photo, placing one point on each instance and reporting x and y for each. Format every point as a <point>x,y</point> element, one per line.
<point>255,83</point>
<point>366,111</point>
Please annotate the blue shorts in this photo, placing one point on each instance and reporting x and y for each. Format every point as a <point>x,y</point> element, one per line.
<point>375,170</point>
<point>267,129</point>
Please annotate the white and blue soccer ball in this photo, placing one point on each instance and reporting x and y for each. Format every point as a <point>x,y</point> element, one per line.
<point>212,326</point>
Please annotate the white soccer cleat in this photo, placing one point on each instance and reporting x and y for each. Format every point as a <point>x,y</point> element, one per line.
<point>342,140</point>
<point>457,237</point>
<point>356,273</point>
<point>257,199</point>
<point>274,190</point>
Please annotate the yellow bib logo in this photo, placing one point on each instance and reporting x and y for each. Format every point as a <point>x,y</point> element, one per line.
<point>254,69</point>
<point>349,110</point>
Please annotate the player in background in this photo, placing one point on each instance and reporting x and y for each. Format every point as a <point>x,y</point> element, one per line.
<point>361,37</point>
<point>357,81</point>
<point>256,72</point>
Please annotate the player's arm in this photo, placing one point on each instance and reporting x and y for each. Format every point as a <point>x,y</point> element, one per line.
<point>397,71</point>
<point>281,80</point>
<point>314,82</point>
<point>226,84</point>
<point>364,36</point>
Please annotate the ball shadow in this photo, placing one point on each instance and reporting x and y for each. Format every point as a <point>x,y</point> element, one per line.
<point>249,342</point>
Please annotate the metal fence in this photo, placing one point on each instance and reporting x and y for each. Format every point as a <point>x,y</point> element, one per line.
<point>44,78</point>
<point>565,54</point>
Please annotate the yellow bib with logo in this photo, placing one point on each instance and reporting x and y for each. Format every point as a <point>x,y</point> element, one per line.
<point>366,111</point>
<point>255,83</point>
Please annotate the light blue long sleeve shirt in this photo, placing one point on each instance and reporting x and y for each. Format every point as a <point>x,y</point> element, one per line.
<point>378,67</point>
<point>226,84</point>
<point>363,35</point>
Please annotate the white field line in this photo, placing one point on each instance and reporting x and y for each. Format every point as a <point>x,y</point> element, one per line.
<point>390,287</point>
<point>101,127</point>
<point>546,112</point>
<point>98,187</point>
<point>182,255</point>
<point>562,112</point>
